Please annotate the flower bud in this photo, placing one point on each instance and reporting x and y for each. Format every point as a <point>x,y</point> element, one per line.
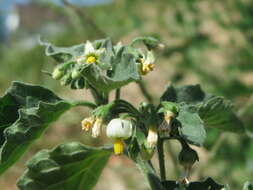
<point>57,74</point>
<point>96,129</point>
<point>66,79</point>
<point>152,137</point>
<point>75,74</point>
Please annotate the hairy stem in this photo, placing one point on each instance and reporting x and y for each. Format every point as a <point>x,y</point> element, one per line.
<point>117,94</point>
<point>160,151</point>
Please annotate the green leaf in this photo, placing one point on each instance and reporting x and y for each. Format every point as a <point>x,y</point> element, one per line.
<point>68,166</point>
<point>217,112</point>
<point>26,112</point>
<point>149,42</point>
<point>187,94</point>
<point>63,54</point>
<point>191,126</point>
<point>248,186</point>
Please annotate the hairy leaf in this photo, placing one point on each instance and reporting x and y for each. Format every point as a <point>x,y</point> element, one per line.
<point>191,126</point>
<point>26,112</point>
<point>217,112</point>
<point>67,166</point>
<point>187,94</point>
<point>149,42</point>
<point>63,54</point>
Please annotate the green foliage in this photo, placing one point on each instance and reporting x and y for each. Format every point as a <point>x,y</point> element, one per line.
<point>26,112</point>
<point>217,112</point>
<point>67,166</point>
<point>187,94</point>
<point>221,111</point>
<point>191,126</point>
<point>118,65</point>
<point>184,113</point>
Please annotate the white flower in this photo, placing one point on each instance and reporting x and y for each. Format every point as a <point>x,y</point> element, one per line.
<point>119,129</point>
<point>91,55</point>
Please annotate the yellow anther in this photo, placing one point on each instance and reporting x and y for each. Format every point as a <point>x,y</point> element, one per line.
<point>118,146</point>
<point>91,59</point>
<point>146,68</point>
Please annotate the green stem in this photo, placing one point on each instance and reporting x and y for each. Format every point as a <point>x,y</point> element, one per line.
<point>145,92</point>
<point>84,103</point>
<point>161,159</point>
<point>99,98</point>
<point>117,94</point>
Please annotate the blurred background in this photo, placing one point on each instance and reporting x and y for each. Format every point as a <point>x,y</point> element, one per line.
<point>206,42</point>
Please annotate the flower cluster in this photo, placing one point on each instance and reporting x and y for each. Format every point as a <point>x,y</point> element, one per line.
<point>97,60</point>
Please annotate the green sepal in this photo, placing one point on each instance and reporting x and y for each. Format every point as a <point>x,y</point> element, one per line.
<point>168,106</point>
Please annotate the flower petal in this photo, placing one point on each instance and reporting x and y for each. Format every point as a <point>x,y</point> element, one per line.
<point>88,48</point>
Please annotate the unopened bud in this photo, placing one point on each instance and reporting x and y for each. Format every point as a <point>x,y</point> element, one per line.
<point>152,137</point>
<point>96,129</point>
<point>57,74</point>
<point>75,74</point>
